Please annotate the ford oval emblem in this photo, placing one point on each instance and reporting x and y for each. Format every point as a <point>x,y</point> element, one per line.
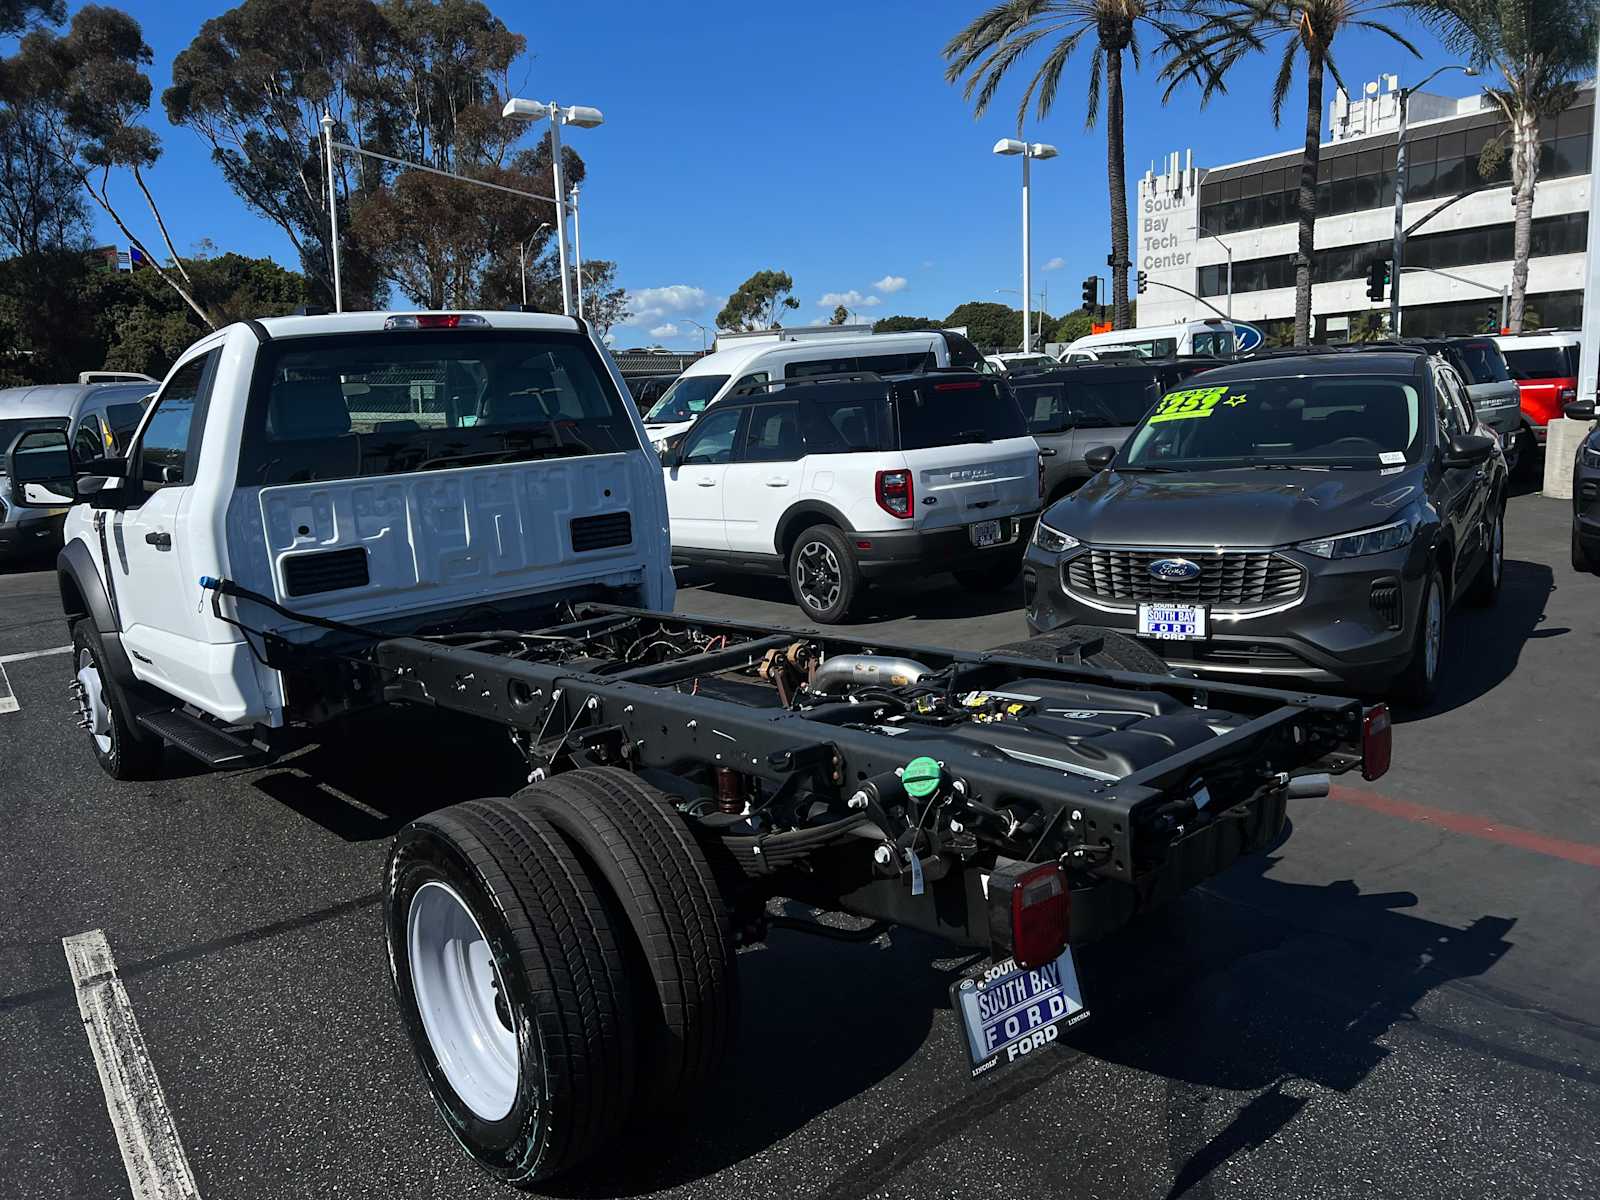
<point>1174,570</point>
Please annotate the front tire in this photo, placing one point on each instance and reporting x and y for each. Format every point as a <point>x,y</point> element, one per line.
<point>508,965</point>
<point>823,575</point>
<point>1582,561</point>
<point>123,750</point>
<point>1418,684</point>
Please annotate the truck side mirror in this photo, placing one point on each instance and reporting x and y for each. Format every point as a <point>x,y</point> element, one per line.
<point>1100,457</point>
<point>40,465</point>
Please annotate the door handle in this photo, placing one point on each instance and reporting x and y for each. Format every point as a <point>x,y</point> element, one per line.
<point>777,481</point>
<point>161,541</point>
<point>1046,452</point>
<point>705,483</point>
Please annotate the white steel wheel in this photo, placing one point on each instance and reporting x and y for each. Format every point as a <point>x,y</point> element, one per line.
<point>461,1000</point>
<point>94,715</point>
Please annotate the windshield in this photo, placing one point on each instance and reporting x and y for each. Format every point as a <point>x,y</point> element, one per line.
<point>1482,361</point>
<point>686,399</point>
<point>1361,421</point>
<point>1217,343</point>
<point>1543,362</point>
<point>394,402</point>
<point>1106,402</point>
<point>10,430</point>
<point>955,412</point>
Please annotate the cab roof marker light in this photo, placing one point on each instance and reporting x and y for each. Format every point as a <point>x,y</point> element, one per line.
<point>965,385</point>
<point>436,321</point>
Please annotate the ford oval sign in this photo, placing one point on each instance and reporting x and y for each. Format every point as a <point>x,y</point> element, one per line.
<point>1246,338</point>
<point>1174,570</point>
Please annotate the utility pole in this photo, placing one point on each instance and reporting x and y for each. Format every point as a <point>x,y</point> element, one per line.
<point>333,211</point>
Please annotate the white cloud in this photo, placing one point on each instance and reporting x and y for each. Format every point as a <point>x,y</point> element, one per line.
<point>890,283</point>
<point>927,264</point>
<point>850,299</point>
<point>665,331</point>
<point>1055,264</point>
<point>654,302</point>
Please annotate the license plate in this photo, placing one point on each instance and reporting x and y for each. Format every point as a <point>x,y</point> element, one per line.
<point>986,533</point>
<point>1172,622</point>
<point>1010,1011</point>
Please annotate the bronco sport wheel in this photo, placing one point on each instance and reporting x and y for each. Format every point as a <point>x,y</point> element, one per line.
<point>823,575</point>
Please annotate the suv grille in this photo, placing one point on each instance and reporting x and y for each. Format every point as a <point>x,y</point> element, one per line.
<point>1238,578</point>
<point>601,532</point>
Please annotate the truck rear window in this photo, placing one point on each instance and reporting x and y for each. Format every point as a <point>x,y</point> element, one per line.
<point>1543,362</point>
<point>390,403</point>
<point>951,412</point>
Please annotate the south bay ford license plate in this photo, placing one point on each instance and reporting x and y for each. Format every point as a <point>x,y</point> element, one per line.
<point>1172,622</point>
<point>986,533</point>
<point>1009,1011</point>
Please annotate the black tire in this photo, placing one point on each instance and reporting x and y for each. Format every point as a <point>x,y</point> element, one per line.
<point>1484,589</point>
<point>558,953</point>
<point>1418,684</point>
<point>1582,562</point>
<point>997,577</point>
<point>1117,652</point>
<point>1525,467</point>
<point>124,750</point>
<point>632,837</point>
<point>823,575</point>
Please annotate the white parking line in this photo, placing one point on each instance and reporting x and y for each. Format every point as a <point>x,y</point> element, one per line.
<point>8,698</point>
<point>27,654</point>
<point>157,1167</point>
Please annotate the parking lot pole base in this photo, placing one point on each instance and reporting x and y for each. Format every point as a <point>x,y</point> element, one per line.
<point>1560,449</point>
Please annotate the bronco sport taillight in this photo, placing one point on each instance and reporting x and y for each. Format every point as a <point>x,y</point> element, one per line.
<point>893,490</point>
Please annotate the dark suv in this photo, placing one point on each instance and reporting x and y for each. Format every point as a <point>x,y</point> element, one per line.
<point>1495,397</point>
<point>1071,409</point>
<point>1310,516</point>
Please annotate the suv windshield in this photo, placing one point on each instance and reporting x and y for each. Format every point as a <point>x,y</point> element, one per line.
<point>1481,360</point>
<point>686,399</point>
<point>953,411</point>
<point>393,402</point>
<point>1091,401</point>
<point>1543,362</point>
<point>12,429</point>
<point>1321,420</point>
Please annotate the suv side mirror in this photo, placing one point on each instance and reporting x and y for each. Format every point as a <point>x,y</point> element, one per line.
<point>40,466</point>
<point>1468,450</point>
<point>1100,457</point>
<point>1579,410</point>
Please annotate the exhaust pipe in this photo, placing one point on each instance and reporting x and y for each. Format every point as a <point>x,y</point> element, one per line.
<point>843,672</point>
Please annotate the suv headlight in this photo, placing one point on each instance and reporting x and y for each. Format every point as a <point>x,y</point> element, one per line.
<point>1053,541</point>
<point>1364,541</point>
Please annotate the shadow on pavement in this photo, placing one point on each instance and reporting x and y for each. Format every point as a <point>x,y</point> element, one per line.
<point>932,597</point>
<point>1482,645</point>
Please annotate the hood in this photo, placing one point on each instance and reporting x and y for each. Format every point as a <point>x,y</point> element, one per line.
<point>1232,508</point>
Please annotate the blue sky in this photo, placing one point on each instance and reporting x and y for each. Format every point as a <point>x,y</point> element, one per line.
<point>819,139</point>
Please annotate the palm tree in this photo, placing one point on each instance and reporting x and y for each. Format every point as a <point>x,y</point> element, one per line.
<point>986,50</point>
<point>1308,29</point>
<point>1541,48</point>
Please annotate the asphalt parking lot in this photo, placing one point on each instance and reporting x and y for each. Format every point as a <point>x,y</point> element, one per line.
<point>1402,1000</point>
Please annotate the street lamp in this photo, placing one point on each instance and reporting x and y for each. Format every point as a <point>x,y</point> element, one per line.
<point>522,257</point>
<point>584,118</point>
<point>1044,303</point>
<point>1404,96</point>
<point>701,328</point>
<point>1204,232</point>
<point>1027,151</point>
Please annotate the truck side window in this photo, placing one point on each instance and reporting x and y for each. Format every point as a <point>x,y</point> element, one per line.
<point>165,449</point>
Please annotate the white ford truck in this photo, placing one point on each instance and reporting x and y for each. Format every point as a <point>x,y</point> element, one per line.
<point>459,511</point>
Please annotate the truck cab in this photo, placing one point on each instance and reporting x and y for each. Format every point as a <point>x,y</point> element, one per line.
<point>358,467</point>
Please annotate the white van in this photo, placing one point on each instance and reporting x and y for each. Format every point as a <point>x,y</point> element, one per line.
<point>787,356</point>
<point>1212,337</point>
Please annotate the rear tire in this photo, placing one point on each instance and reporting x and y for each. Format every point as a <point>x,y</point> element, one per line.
<point>1418,684</point>
<point>121,747</point>
<point>524,1027</point>
<point>1523,471</point>
<point>823,575</point>
<point>1118,652</point>
<point>1582,561</point>
<point>636,842</point>
<point>1485,587</point>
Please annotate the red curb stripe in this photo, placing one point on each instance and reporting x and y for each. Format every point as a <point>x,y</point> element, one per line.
<point>1507,835</point>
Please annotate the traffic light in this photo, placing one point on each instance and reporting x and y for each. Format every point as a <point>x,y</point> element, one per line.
<point>1091,291</point>
<point>1377,279</point>
<point>1143,279</point>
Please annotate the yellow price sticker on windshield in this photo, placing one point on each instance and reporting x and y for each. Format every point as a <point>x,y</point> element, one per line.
<point>1196,402</point>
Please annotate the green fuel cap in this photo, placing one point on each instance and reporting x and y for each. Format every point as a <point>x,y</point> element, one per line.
<point>920,777</point>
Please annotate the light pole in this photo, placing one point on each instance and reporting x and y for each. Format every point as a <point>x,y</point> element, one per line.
<point>701,328</point>
<point>1028,151</point>
<point>584,118</point>
<point>1204,232</point>
<point>333,211</point>
<point>522,257</point>
<point>1044,304</point>
<point>577,248</point>
<point>1404,97</point>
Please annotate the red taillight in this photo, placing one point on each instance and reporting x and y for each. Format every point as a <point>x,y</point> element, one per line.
<point>1377,742</point>
<point>893,489</point>
<point>1041,907</point>
<point>1568,395</point>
